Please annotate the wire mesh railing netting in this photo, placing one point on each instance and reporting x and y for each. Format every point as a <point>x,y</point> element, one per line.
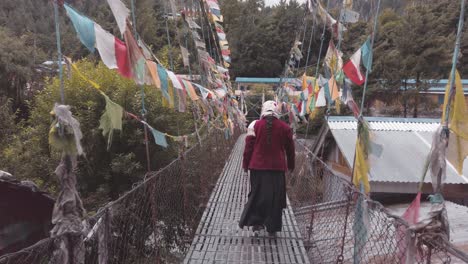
<point>154,222</point>
<point>341,225</point>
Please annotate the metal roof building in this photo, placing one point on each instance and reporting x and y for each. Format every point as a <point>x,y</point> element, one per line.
<point>398,152</point>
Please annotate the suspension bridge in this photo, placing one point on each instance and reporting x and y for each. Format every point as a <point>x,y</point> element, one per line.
<point>188,212</point>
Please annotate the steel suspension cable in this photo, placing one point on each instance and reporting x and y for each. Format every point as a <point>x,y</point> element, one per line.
<point>374,32</point>
<point>454,61</point>
<point>59,50</point>
<point>142,92</point>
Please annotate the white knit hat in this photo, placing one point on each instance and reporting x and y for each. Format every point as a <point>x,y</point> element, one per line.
<point>270,108</point>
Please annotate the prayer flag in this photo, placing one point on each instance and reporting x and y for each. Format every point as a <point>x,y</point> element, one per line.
<point>111,119</point>
<point>123,65</point>
<point>164,81</point>
<point>174,80</point>
<point>333,86</point>
<point>458,141</point>
<point>349,16</point>
<point>361,167</point>
<point>121,13</point>
<point>159,137</point>
<point>411,216</point>
<point>153,70</point>
<point>351,69</point>
<point>190,90</point>
<point>185,56</point>
<point>321,98</point>
<point>105,44</point>
<point>366,52</point>
<point>84,27</point>
<point>135,56</point>
<point>333,58</point>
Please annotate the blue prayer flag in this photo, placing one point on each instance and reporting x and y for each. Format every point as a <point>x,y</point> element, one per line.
<point>159,138</point>
<point>366,54</point>
<point>84,27</point>
<point>164,81</point>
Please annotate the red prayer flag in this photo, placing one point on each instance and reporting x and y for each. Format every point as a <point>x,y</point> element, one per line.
<point>351,69</point>
<point>123,65</point>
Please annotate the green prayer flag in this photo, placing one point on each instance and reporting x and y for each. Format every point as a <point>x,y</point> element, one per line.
<point>111,119</point>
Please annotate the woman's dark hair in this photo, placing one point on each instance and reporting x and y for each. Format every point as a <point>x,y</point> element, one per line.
<point>269,126</point>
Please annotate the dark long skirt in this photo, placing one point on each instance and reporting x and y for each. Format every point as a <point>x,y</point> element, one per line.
<point>267,199</point>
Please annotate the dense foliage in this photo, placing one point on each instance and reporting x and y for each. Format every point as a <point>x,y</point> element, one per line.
<point>102,174</point>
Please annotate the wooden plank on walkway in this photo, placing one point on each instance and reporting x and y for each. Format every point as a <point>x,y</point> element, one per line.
<point>220,240</point>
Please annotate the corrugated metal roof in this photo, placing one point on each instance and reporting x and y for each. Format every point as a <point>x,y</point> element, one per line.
<point>404,147</point>
<point>386,123</point>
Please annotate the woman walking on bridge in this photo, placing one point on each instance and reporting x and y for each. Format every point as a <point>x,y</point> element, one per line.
<point>268,154</point>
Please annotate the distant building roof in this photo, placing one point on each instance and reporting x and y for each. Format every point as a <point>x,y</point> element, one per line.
<point>437,86</point>
<point>400,147</point>
<point>262,80</point>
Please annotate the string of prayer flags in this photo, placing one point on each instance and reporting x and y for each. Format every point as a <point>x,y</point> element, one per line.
<point>335,27</point>
<point>352,68</point>
<point>83,26</point>
<point>121,13</point>
<point>192,24</point>
<point>111,119</point>
<point>113,51</point>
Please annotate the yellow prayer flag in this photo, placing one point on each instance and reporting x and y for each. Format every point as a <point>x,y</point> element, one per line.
<point>458,141</point>
<point>171,95</point>
<point>304,81</point>
<point>361,167</point>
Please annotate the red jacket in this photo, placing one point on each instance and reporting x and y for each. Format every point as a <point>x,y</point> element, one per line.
<point>279,155</point>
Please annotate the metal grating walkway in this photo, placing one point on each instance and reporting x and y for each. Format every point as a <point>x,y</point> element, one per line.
<point>219,239</point>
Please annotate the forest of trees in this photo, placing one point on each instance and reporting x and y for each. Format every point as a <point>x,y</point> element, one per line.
<point>415,40</point>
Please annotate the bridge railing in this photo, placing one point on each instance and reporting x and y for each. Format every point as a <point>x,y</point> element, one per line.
<point>334,231</point>
<point>154,222</point>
